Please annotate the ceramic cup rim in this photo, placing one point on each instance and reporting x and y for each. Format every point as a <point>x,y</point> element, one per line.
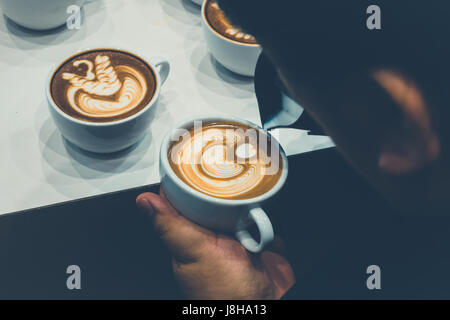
<point>136,53</point>
<point>211,28</point>
<point>164,162</point>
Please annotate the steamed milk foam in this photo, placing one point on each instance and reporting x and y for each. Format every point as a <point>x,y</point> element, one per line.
<point>103,85</point>
<point>226,160</point>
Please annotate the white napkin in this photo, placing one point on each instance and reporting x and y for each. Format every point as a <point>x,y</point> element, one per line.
<point>296,141</point>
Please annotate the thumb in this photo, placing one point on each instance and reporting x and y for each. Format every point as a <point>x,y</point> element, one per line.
<point>184,238</point>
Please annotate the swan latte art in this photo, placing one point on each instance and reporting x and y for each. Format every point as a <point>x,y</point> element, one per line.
<point>227,160</point>
<point>103,85</point>
<point>219,22</point>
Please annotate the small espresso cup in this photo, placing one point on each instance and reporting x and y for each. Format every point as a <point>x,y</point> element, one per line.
<point>108,137</point>
<point>39,14</point>
<point>238,57</point>
<point>224,215</point>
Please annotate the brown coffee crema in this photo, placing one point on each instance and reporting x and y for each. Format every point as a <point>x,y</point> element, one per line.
<point>219,22</point>
<point>227,160</point>
<point>103,85</point>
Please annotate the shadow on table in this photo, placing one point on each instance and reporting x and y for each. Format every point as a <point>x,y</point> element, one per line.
<point>27,40</point>
<point>72,161</point>
<point>184,11</point>
<point>183,17</point>
<point>215,77</point>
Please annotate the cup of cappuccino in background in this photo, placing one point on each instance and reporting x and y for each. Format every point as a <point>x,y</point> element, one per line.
<point>218,171</point>
<point>234,49</point>
<point>38,14</point>
<point>100,99</point>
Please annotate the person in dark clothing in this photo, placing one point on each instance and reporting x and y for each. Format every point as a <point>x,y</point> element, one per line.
<point>382,198</point>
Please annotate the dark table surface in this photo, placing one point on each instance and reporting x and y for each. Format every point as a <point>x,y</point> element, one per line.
<point>334,226</point>
<point>108,237</point>
<point>114,243</point>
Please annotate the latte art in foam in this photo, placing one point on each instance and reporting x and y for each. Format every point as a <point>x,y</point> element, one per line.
<point>220,161</point>
<point>217,19</point>
<point>90,94</point>
<point>103,85</point>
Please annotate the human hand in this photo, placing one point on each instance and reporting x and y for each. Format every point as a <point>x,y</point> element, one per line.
<point>210,265</point>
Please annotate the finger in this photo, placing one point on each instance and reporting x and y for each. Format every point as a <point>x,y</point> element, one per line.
<point>280,271</point>
<point>161,193</point>
<point>184,238</point>
<point>277,246</point>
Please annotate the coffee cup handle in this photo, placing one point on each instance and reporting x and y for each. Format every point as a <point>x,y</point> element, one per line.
<point>163,67</point>
<point>262,221</point>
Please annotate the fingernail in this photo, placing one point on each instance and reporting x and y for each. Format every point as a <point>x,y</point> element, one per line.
<point>145,205</point>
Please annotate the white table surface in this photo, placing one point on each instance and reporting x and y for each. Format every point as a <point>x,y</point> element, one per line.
<point>37,167</point>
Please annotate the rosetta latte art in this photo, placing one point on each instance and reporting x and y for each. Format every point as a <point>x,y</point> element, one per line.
<point>105,90</point>
<point>210,162</point>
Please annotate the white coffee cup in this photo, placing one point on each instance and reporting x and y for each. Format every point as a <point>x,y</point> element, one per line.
<point>106,137</point>
<point>39,14</point>
<point>236,56</point>
<point>219,214</point>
